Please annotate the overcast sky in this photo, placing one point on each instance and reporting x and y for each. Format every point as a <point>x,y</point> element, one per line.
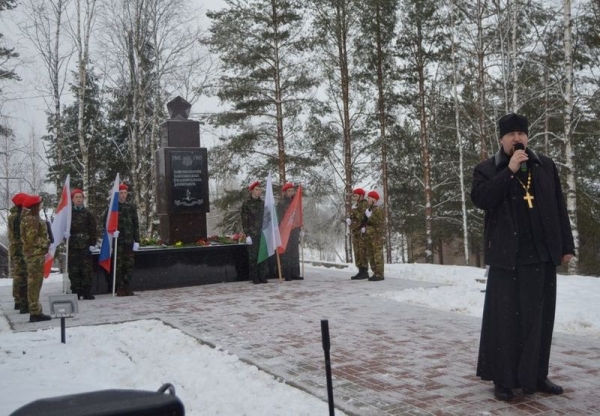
<point>23,104</point>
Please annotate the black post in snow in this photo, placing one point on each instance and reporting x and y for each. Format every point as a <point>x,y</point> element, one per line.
<point>326,347</point>
<point>63,337</point>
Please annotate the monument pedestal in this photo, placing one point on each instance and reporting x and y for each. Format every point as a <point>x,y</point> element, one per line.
<point>166,268</point>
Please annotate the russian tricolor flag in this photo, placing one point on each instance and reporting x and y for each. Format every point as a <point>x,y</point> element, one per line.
<point>61,224</point>
<point>112,222</point>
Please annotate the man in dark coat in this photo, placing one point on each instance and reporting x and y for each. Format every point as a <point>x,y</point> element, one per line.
<point>252,221</point>
<point>82,242</point>
<point>527,234</point>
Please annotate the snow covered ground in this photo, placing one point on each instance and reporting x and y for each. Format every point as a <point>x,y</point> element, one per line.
<point>134,355</point>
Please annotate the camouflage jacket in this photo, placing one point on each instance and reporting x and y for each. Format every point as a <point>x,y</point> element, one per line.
<point>34,235</point>
<point>357,216</point>
<point>375,223</point>
<point>252,216</point>
<point>83,229</point>
<point>129,226</point>
<point>14,231</point>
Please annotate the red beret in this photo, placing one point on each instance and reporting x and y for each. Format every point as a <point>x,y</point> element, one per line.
<point>287,186</point>
<point>32,200</point>
<point>19,198</point>
<point>374,195</point>
<point>253,185</point>
<point>123,187</point>
<point>76,191</point>
<point>359,191</point>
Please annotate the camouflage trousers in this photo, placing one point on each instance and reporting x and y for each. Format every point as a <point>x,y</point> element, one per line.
<point>80,269</point>
<point>125,263</point>
<point>35,278</point>
<point>375,254</point>
<point>256,271</point>
<point>359,243</point>
<point>19,275</point>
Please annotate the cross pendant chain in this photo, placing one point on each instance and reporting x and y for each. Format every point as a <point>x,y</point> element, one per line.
<point>528,197</point>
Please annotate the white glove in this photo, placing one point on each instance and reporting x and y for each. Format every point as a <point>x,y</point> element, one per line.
<point>116,234</point>
<point>301,233</point>
<point>249,240</point>
<point>363,230</point>
<point>67,235</point>
<point>348,221</point>
<point>136,246</point>
<point>368,213</point>
<point>92,248</point>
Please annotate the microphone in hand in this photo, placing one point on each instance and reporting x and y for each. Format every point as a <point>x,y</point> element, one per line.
<point>521,146</point>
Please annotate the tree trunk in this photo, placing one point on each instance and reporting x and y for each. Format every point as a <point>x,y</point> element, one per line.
<point>425,157</point>
<point>383,139</point>
<point>481,72</point>
<point>463,192</point>
<point>569,152</point>
<point>278,100</point>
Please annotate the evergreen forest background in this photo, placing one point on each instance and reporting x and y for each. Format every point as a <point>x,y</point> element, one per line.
<point>401,96</point>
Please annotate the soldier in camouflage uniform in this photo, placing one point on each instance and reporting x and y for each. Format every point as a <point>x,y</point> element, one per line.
<point>290,259</point>
<point>128,234</point>
<point>34,236</point>
<point>373,224</point>
<point>82,241</point>
<point>359,243</point>
<point>17,260</point>
<point>252,220</point>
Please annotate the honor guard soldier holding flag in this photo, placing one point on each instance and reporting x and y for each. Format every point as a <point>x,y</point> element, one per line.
<point>34,236</point>
<point>359,243</point>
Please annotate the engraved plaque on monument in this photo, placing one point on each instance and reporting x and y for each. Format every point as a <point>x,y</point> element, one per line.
<point>188,180</point>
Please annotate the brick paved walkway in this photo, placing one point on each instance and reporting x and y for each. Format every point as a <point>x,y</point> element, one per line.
<point>388,358</point>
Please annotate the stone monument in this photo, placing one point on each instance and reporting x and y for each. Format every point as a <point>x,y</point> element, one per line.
<point>182,177</point>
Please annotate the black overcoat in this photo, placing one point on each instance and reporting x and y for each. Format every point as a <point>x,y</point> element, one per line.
<point>493,191</point>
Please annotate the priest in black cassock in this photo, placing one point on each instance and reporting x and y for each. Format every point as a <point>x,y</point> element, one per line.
<point>527,234</point>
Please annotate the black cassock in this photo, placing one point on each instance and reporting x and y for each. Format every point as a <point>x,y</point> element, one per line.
<point>519,310</point>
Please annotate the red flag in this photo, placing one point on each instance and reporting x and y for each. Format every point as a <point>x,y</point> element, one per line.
<point>61,224</point>
<point>293,218</point>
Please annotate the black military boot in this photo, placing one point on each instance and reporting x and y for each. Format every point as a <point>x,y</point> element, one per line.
<point>87,293</point>
<point>128,291</point>
<point>17,306</point>
<point>363,273</point>
<point>39,318</point>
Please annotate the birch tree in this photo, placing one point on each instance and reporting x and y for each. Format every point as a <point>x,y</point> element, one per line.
<point>146,43</point>
<point>571,190</point>
<point>44,27</point>
<point>86,15</point>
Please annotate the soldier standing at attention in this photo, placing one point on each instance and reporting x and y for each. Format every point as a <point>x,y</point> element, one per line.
<point>373,223</point>
<point>34,236</point>
<point>128,234</point>
<point>252,220</point>
<point>17,261</point>
<point>82,242</point>
<point>354,221</point>
<point>290,259</point>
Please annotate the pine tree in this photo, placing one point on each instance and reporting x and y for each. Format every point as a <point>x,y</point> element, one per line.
<point>266,82</point>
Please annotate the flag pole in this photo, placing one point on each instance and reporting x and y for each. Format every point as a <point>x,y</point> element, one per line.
<point>278,266</point>
<point>66,273</point>
<point>302,248</point>
<point>115,269</point>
